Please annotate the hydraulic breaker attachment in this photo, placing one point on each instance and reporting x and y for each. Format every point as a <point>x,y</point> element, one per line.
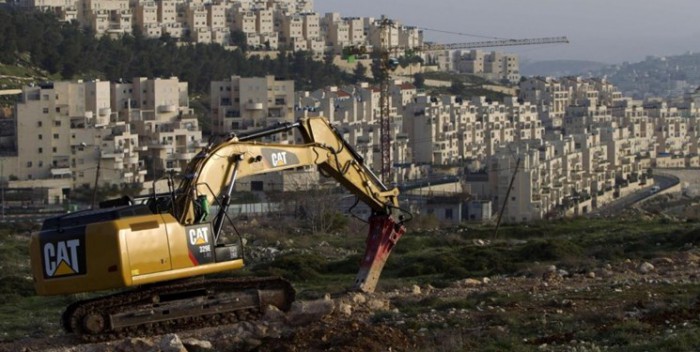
<point>384,232</point>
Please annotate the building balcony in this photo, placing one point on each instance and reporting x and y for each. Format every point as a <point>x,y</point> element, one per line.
<point>183,156</point>
<point>166,108</point>
<point>60,172</point>
<point>254,106</point>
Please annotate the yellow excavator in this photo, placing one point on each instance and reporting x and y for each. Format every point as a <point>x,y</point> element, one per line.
<point>161,249</point>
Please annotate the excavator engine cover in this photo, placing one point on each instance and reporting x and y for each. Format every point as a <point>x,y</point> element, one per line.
<point>121,247</point>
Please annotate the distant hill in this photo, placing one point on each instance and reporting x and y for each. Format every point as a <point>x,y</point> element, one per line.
<point>558,68</point>
<point>656,76</point>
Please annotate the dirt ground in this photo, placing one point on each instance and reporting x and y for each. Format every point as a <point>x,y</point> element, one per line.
<point>551,309</point>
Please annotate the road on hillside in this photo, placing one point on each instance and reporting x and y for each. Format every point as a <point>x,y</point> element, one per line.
<point>614,207</point>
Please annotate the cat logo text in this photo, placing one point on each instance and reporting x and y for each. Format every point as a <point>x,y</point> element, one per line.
<point>63,257</point>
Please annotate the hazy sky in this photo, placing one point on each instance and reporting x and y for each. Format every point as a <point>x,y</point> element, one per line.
<point>611,31</point>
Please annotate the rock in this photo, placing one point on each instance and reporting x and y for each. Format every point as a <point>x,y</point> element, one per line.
<point>485,280</point>
<point>345,308</point>
<point>306,312</point>
<point>273,314</point>
<point>359,298</point>
<point>688,257</point>
<point>645,268</point>
<point>377,304</point>
<point>171,343</point>
<point>194,345</point>
<point>551,269</point>
<point>135,344</point>
<point>467,282</point>
<point>591,275</point>
<point>663,261</point>
<point>416,290</point>
<point>551,276</point>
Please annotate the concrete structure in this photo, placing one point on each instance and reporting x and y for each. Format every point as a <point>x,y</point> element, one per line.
<point>66,131</point>
<point>240,104</point>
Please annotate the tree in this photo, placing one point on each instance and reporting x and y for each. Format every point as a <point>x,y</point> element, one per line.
<point>419,80</point>
<point>457,87</point>
<point>360,73</point>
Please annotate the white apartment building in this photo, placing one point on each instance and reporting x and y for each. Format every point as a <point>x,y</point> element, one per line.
<point>337,31</point>
<point>65,129</point>
<point>158,111</point>
<point>549,95</point>
<point>240,104</point>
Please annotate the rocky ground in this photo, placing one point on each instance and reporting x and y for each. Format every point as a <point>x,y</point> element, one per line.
<point>616,306</point>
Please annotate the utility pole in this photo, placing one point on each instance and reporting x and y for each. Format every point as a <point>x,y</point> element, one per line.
<point>2,190</point>
<point>97,177</point>
<point>505,201</point>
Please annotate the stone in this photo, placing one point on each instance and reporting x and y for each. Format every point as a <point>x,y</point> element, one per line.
<point>645,268</point>
<point>171,343</point>
<point>359,298</point>
<point>194,345</point>
<point>377,304</point>
<point>468,282</point>
<point>135,344</point>
<point>663,261</point>
<point>306,312</point>
<point>345,308</point>
<point>416,290</point>
<point>551,269</point>
<point>591,275</point>
<point>273,314</point>
<point>485,280</point>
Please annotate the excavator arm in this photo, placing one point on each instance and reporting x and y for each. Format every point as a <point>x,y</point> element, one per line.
<point>211,175</point>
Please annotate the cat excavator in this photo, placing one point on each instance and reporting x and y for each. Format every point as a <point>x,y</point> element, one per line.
<point>155,254</point>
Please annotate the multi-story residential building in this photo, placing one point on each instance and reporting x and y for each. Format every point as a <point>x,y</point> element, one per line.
<point>493,66</point>
<point>241,104</point>
<point>66,129</point>
<point>146,18</point>
<point>337,31</point>
<point>549,95</point>
<point>158,111</point>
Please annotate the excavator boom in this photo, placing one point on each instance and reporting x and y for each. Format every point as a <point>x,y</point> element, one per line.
<point>218,167</point>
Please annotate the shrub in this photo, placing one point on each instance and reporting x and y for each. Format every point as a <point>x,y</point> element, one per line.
<point>549,250</point>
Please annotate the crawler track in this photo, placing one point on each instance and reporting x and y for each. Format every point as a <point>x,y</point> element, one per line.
<point>176,306</point>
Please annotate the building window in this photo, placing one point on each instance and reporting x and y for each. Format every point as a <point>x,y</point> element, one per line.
<point>41,150</point>
<point>57,123</point>
<point>55,136</point>
<point>46,110</point>
<point>29,164</point>
<point>39,124</point>
<point>54,149</point>
<point>41,137</point>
